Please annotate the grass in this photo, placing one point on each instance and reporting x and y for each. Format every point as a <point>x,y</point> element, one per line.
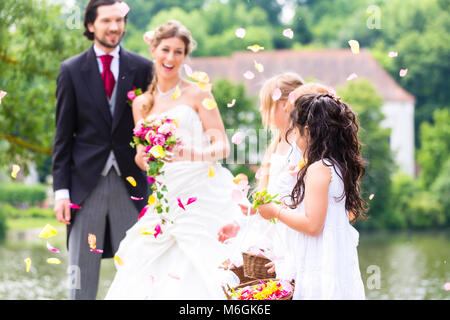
<point>21,224</point>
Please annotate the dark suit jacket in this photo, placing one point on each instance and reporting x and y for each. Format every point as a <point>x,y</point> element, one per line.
<point>85,130</point>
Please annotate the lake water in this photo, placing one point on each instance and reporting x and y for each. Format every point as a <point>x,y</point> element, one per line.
<point>393,266</point>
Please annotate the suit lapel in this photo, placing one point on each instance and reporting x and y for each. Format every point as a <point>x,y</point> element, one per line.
<point>95,85</point>
<point>124,84</point>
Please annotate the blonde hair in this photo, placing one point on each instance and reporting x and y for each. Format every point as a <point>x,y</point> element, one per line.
<point>170,29</point>
<point>287,83</point>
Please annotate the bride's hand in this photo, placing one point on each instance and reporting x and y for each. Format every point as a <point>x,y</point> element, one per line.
<point>183,153</point>
<point>141,157</point>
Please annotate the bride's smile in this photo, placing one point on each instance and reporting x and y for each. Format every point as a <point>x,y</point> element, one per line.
<point>168,56</point>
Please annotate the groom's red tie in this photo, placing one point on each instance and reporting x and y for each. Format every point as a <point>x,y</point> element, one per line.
<point>107,75</point>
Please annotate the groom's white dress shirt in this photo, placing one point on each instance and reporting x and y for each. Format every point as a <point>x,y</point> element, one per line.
<point>111,162</point>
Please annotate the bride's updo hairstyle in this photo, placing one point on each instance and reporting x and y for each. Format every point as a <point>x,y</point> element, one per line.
<point>170,29</point>
<point>332,134</point>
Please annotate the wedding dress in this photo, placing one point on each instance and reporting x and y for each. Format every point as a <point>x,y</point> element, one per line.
<point>182,262</point>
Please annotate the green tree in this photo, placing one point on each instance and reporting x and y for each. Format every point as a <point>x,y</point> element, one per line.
<point>435,149</point>
<point>440,189</point>
<point>34,37</point>
<point>366,102</point>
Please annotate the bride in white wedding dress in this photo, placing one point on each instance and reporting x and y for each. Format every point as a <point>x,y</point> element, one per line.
<point>183,261</point>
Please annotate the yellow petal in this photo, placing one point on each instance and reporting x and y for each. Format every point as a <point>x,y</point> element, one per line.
<point>200,76</point>
<point>119,260</point>
<point>53,261</point>
<point>47,232</point>
<point>211,171</point>
<point>92,240</point>
<point>205,86</point>
<point>146,232</point>
<point>15,170</point>
<point>28,264</point>
<point>157,151</point>
<point>151,200</point>
<point>259,67</point>
<point>255,48</point>
<point>209,103</point>
<point>131,181</point>
<point>302,163</point>
<point>239,177</point>
<point>176,122</point>
<point>354,46</point>
<point>177,93</point>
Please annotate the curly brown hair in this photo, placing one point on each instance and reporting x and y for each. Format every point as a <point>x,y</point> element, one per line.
<point>332,134</point>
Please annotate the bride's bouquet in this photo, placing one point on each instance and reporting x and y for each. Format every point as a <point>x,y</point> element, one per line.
<point>158,137</point>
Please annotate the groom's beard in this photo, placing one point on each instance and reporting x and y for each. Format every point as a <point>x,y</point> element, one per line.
<point>108,45</point>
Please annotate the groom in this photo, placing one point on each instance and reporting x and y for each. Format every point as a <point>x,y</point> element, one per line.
<point>92,155</point>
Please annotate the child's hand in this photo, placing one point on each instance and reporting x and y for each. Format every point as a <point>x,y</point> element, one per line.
<point>271,266</point>
<point>228,231</point>
<point>244,209</point>
<point>268,211</point>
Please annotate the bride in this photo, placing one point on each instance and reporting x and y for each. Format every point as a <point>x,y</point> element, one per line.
<point>182,262</point>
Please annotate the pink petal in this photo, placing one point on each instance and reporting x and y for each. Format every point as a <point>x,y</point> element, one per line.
<point>371,196</point>
<point>276,94</point>
<point>403,72</point>
<point>74,206</point>
<point>180,204</point>
<point>238,138</point>
<point>240,33</point>
<point>233,102</point>
<point>288,33</point>
<point>236,195</point>
<point>143,211</point>
<point>50,248</point>
<point>148,36</point>
<point>352,76</point>
<point>191,200</point>
<point>188,70</point>
<point>124,8</point>
<point>136,198</point>
<point>157,230</point>
<point>259,174</point>
<point>249,75</point>
<point>174,276</point>
<point>292,97</point>
<point>447,286</point>
<point>97,250</point>
<point>393,54</point>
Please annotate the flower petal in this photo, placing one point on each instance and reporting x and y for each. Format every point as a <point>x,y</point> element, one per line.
<point>230,105</point>
<point>177,93</point>
<point>124,8</point>
<point>209,104</point>
<point>249,75</point>
<point>240,177</point>
<point>191,200</point>
<point>447,286</point>
<point>204,86</point>
<point>187,70</point>
<point>148,36</point>
<point>354,46</point>
<point>403,72</point>
<point>143,212</point>
<point>2,95</point>
<point>371,196</point>
<point>136,198</point>
<point>131,181</point>
<point>92,240</point>
<point>236,195</point>
<point>180,204</point>
<point>118,260</point>
<point>200,76</point>
<point>288,33</point>
<point>50,248</point>
<point>255,48</point>
<point>238,138</point>
<point>276,94</point>
<point>74,206</point>
<point>259,67</point>
<point>392,54</point>
<point>15,171</point>
<point>352,76</point>
<point>211,171</point>
<point>157,152</point>
<point>47,232</point>
<point>147,231</point>
<point>240,33</point>
<point>53,261</point>
<point>157,230</point>
<point>291,97</point>
<point>174,276</point>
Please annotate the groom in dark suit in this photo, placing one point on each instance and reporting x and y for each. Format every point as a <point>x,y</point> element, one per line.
<point>92,155</point>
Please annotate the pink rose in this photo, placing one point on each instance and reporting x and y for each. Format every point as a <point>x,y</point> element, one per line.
<point>131,95</point>
<point>159,139</point>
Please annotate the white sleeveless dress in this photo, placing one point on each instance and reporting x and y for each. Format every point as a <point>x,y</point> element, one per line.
<point>182,262</point>
<point>326,266</point>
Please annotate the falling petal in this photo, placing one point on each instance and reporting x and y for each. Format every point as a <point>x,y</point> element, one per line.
<point>118,260</point>
<point>447,286</point>
<point>47,232</point>
<point>146,231</point>
<point>200,76</point>
<point>259,174</point>
<point>238,138</point>
<point>15,171</point>
<point>293,169</point>
<point>371,196</point>
<point>53,261</point>
<point>354,46</point>
<point>97,250</point>
<point>259,67</point>
<point>148,36</point>
<point>249,75</point>
<point>187,70</point>
<point>177,93</point>
<point>255,48</point>
<point>288,33</point>
<point>403,72</point>
<point>124,8</point>
<point>276,94</point>
<point>180,204</point>
<point>27,264</point>
<point>240,177</point>
<point>151,200</point>
<point>291,97</point>
<point>393,54</point>
<point>92,240</point>
<point>352,76</point>
<point>74,206</point>
<point>50,248</point>
<point>131,181</point>
<point>230,105</point>
<point>136,198</point>
<point>174,276</point>
<point>301,163</point>
<point>143,211</point>
<point>204,86</point>
<point>240,33</point>
<point>2,95</point>
<point>209,103</point>
<point>191,200</point>
<point>332,91</point>
<point>211,171</point>
<point>157,230</point>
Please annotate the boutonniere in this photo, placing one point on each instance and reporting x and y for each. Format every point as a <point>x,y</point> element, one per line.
<point>132,94</point>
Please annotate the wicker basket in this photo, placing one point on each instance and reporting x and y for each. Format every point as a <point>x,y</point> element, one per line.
<point>254,266</point>
<point>228,290</point>
<point>239,271</point>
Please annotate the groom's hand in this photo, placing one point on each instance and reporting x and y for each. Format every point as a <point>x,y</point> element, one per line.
<point>62,210</point>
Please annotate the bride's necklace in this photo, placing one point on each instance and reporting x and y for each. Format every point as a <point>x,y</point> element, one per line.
<point>169,92</point>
